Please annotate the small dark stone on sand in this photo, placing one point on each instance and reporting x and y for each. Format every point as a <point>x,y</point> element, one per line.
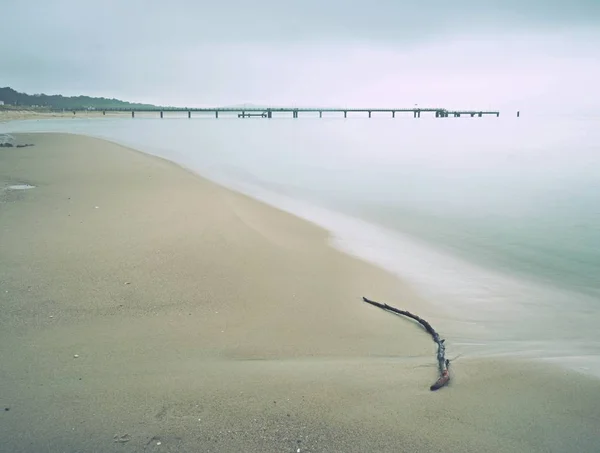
<point>7,409</point>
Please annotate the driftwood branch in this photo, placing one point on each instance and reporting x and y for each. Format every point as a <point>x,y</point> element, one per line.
<point>443,362</point>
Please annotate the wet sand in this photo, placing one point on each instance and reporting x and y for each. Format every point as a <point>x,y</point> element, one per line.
<point>143,308</point>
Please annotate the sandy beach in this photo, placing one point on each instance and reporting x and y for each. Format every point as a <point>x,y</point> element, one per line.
<point>35,114</point>
<point>143,308</point>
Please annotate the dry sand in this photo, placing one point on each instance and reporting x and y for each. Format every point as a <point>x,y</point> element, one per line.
<point>203,320</point>
<point>38,114</point>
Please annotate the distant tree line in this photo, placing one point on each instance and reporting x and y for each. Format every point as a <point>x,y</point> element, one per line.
<point>59,102</point>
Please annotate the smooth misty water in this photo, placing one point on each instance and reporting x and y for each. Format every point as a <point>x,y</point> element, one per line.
<point>495,220</point>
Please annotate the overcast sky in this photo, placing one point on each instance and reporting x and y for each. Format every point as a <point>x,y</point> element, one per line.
<point>522,54</point>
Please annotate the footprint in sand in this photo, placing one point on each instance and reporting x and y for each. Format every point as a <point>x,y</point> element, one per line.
<point>122,439</point>
<point>163,445</point>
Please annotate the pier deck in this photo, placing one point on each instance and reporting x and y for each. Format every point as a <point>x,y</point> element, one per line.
<point>295,112</point>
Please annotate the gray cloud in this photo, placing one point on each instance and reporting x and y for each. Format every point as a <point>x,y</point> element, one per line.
<point>278,20</point>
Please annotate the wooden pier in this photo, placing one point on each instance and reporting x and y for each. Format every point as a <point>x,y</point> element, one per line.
<point>295,112</point>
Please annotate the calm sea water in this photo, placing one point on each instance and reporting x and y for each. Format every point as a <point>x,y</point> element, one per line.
<point>496,221</point>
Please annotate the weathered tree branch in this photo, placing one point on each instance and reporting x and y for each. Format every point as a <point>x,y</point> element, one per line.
<point>443,363</point>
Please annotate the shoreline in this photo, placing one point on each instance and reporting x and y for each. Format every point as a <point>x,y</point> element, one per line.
<point>240,329</point>
<point>513,338</point>
<point>451,321</point>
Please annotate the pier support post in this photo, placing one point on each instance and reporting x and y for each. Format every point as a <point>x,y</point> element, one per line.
<point>345,114</point>
<point>418,114</point>
<point>189,113</point>
<point>518,114</point>
<point>269,114</point>
<point>132,114</point>
<point>498,115</point>
<point>369,114</point>
<point>161,114</point>
<point>414,113</point>
<point>393,114</point>
<point>480,114</point>
<point>320,114</point>
<point>216,114</point>
<point>103,112</point>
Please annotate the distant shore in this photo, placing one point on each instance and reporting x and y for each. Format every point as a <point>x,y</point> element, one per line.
<point>145,308</point>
